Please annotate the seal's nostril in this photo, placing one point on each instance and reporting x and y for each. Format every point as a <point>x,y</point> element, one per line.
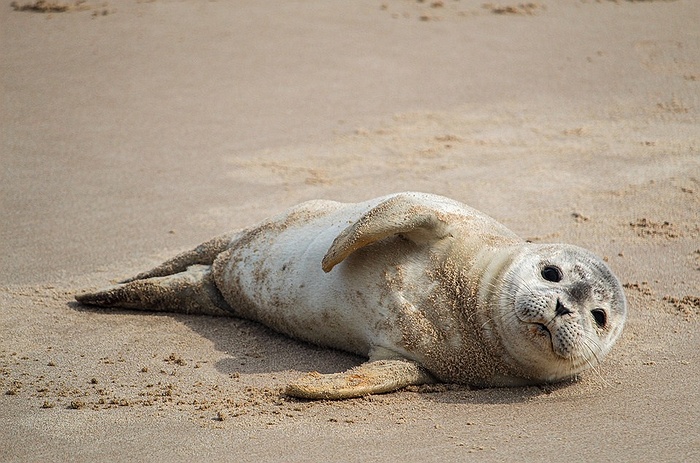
<point>561,309</point>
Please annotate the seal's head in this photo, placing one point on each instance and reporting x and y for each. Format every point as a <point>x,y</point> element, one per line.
<point>561,311</point>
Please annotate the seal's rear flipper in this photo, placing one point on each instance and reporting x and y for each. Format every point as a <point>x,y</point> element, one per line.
<point>192,292</point>
<point>204,254</point>
<point>373,377</point>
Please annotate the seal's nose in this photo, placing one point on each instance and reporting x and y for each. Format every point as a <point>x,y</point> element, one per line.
<point>561,309</point>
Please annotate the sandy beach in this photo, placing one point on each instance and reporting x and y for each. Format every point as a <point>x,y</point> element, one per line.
<point>134,130</point>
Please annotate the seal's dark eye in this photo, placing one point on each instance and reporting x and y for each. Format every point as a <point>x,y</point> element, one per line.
<point>552,273</point>
<point>600,317</point>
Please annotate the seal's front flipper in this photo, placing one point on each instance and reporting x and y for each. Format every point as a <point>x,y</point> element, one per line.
<point>373,377</point>
<point>404,214</point>
<point>192,292</point>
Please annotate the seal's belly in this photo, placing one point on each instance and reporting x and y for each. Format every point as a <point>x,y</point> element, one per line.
<point>273,275</point>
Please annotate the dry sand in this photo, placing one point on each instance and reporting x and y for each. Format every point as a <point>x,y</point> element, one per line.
<point>133,130</point>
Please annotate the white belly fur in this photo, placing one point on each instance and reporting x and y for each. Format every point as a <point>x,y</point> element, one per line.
<point>272,274</point>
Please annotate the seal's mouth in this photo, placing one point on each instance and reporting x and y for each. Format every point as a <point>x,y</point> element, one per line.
<point>540,330</point>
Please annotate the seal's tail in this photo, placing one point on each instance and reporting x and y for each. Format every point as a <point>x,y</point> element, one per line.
<point>192,291</point>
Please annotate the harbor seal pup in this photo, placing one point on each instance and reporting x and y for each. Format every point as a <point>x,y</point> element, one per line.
<point>425,287</point>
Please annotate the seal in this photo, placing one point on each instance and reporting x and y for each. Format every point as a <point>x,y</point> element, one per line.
<point>428,289</point>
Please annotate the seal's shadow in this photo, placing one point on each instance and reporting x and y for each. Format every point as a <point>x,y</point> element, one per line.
<point>249,346</point>
<point>252,348</point>
<point>462,394</point>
